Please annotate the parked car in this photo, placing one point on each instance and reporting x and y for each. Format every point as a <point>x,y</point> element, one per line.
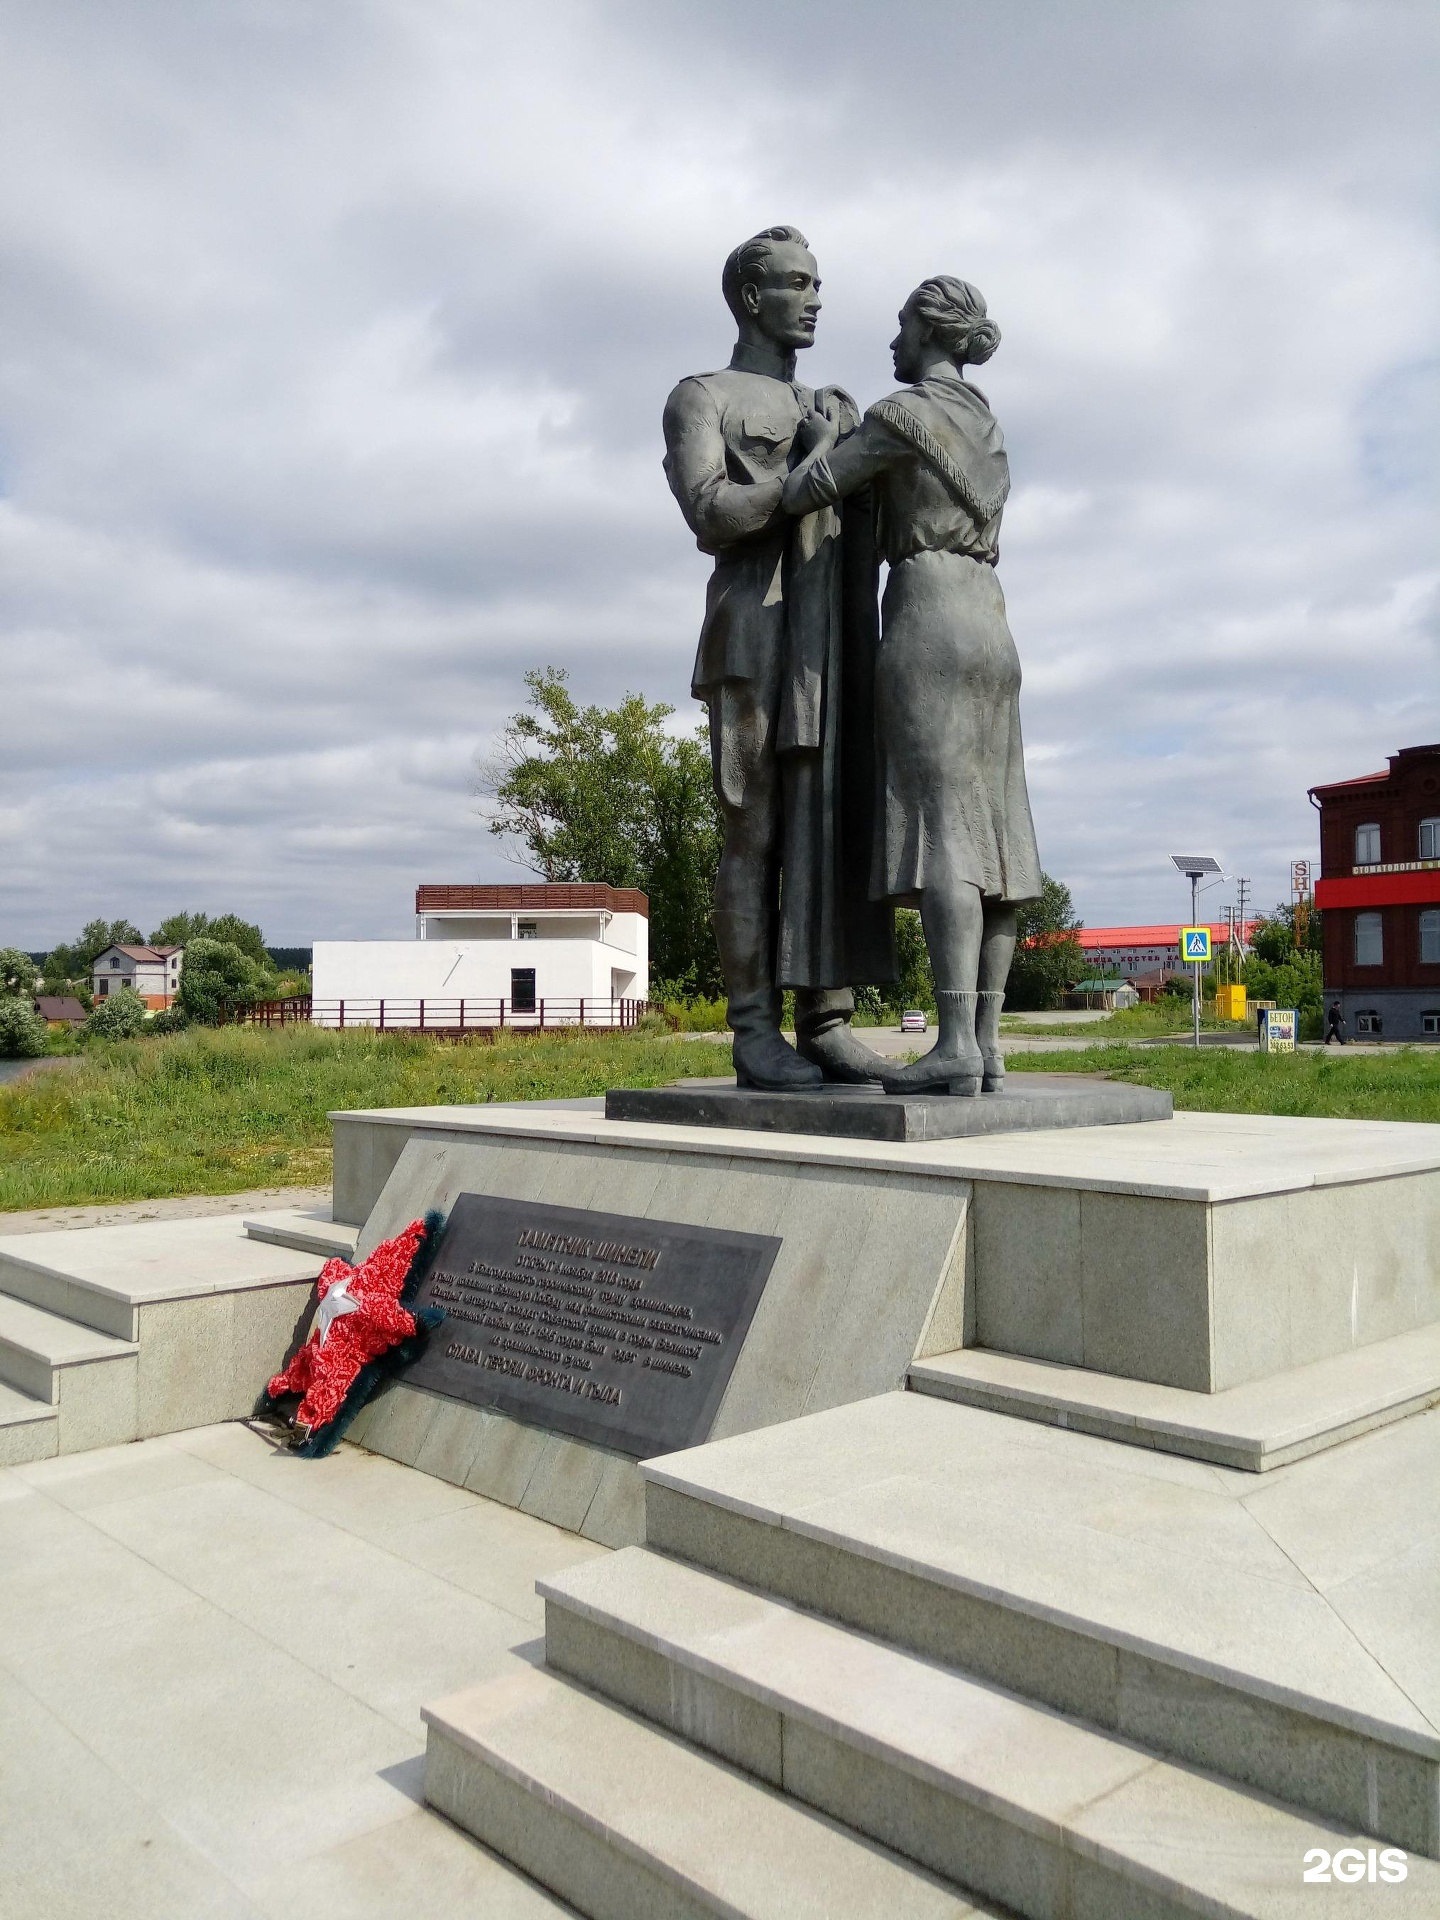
<point>913,1020</point>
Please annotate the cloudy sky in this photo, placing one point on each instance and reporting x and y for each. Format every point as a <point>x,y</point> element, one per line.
<point>334,340</point>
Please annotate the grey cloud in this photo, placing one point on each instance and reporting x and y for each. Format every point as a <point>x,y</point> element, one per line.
<point>333,344</point>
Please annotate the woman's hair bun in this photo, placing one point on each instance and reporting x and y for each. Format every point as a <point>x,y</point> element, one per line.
<point>954,311</point>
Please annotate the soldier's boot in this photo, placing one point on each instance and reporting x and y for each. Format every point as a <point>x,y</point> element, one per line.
<point>762,1057</point>
<point>823,1035</point>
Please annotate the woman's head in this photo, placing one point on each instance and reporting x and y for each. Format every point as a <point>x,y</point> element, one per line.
<point>947,314</point>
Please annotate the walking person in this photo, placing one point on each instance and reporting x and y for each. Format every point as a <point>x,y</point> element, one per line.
<point>1334,1024</point>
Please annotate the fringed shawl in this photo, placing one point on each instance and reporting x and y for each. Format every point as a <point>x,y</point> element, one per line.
<point>950,424</point>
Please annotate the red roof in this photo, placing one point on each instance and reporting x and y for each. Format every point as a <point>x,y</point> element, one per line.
<point>1161,936</point>
<point>1360,780</point>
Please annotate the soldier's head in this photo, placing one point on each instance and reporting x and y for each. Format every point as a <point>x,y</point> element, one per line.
<point>772,286</point>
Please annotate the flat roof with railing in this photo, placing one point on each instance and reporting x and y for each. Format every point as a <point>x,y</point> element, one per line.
<point>541,896</point>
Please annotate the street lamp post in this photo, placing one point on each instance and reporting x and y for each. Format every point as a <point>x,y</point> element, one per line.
<point>1195,866</point>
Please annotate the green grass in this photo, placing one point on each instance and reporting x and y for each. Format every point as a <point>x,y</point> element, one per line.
<point>223,1111</point>
<point>1332,1086</point>
<point>1151,1020</point>
<point>226,1110</point>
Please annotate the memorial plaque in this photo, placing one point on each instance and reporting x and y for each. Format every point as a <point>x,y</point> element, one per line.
<point>617,1330</point>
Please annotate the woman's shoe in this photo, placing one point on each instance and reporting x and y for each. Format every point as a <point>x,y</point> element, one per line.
<point>987,1034</point>
<point>954,1064</point>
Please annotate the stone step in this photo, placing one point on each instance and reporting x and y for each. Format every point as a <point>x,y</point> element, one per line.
<point>1127,1588</point>
<point>28,1428</point>
<point>305,1232</point>
<point>625,1821</point>
<point>36,1347</point>
<point>1264,1424</point>
<point>104,1277</point>
<point>1009,1800</point>
<point>148,1328</point>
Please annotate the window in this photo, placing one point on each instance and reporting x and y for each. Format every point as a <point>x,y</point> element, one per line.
<point>522,990</point>
<point>1369,940</point>
<point>114,960</point>
<point>526,930</point>
<point>1368,1021</point>
<point>1430,937</point>
<point>1430,1023</point>
<point>1367,845</point>
<point>1430,839</point>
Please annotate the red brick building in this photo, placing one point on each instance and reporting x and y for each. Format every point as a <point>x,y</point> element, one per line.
<point>1379,890</point>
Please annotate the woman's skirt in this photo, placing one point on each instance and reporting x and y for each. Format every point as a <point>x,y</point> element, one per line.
<point>952,799</point>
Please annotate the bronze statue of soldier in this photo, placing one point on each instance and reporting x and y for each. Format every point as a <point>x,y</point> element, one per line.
<point>785,665</point>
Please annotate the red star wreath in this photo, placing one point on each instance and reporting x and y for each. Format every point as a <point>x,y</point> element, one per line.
<point>366,1326</point>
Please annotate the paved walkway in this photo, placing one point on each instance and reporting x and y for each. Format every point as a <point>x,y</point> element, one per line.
<point>212,1661</point>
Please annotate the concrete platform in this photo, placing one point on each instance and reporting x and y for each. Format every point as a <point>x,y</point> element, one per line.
<point>1285,1636</point>
<point>1034,1102</point>
<point>1264,1424</point>
<point>213,1658</point>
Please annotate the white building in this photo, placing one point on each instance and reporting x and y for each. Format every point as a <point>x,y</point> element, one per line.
<point>153,972</point>
<point>498,955</point>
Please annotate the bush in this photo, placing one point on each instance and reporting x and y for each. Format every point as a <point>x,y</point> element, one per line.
<point>23,1034</point>
<point>215,977</point>
<point>695,1015</point>
<point>169,1020</point>
<point>120,1016</point>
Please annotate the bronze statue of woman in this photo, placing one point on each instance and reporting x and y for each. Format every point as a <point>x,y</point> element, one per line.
<point>953,833</point>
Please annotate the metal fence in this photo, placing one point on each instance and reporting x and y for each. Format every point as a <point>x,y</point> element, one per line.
<point>444,1017</point>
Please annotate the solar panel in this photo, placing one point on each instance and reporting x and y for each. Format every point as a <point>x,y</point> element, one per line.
<point>1189,863</point>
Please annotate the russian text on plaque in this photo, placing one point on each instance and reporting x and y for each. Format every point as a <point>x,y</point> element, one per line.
<point>618,1330</point>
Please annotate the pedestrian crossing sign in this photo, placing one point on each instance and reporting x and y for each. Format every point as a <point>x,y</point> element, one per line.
<point>1195,945</point>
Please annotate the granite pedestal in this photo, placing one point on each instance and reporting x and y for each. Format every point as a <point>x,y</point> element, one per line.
<point>1033,1103</point>
<point>1201,1254</point>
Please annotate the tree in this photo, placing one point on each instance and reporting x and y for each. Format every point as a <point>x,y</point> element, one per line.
<point>17,973</point>
<point>1295,980</point>
<point>1048,957</point>
<point>1274,941</point>
<point>119,1016</point>
<point>69,965</point>
<point>607,795</point>
<point>916,984</point>
<point>23,1034</point>
<point>217,976</point>
<point>181,928</point>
